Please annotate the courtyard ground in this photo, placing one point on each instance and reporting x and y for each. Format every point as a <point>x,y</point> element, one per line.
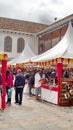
<point>34,115</point>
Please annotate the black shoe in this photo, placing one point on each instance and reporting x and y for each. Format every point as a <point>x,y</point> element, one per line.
<point>16,103</point>
<point>20,103</point>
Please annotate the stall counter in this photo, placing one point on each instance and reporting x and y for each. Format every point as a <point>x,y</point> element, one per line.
<point>49,93</point>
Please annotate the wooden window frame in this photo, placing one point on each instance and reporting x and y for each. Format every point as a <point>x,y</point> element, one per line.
<point>10,49</point>
<point>18,44</point>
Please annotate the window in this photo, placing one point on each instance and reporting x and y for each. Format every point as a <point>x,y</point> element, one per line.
<point>8,44</point>
<point>20,45</point>
<point>41,46</point>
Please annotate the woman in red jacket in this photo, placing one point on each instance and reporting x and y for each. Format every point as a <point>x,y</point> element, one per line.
<point>9,85</point>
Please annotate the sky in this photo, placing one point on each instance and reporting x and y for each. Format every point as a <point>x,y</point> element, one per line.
<point>39,11</point>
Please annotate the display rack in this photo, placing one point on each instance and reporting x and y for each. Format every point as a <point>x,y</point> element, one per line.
<point>66,98</point>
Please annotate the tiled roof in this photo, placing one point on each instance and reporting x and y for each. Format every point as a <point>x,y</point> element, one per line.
<point>20,25</point>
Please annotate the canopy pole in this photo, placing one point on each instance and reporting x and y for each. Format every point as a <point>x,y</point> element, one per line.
<point>4,64</point>
<point>59,72</point>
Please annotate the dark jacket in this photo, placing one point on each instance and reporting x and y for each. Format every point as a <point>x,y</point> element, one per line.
<point>31,80</point>
<point>19,80</point>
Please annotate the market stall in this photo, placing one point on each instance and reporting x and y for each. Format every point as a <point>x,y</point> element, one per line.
<point>60,55</point>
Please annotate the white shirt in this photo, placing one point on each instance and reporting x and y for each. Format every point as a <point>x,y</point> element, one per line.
<point>37,80</point>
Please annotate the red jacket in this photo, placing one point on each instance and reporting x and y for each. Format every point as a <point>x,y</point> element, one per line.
<point>10,80</point>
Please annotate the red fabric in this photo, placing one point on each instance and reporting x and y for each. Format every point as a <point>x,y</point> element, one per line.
<point>17,68</point>
<point>62,59</point>
<point>9,67</point>
<point>59,72</point>
<point>4,63</point>
<point>10,80</point>
<point>68,61</point>
<point>47,87</point>
<point>26,82</point>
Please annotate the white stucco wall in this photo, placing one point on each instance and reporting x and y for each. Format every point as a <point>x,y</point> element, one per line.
<point>33,43</point>
<point>31,40</point>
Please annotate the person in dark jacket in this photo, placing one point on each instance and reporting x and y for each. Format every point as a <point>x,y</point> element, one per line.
<point>19,84</point>
<point>31,83</point>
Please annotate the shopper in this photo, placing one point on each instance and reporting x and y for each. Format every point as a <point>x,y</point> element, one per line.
<point>37,84</point>
<point>9,85</point>
<point>19,84</point>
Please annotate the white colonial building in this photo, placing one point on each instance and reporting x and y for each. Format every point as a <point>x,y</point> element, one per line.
<point>15,34</point>
<point>13,43</point>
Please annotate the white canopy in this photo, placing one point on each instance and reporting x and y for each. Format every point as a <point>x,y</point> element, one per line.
<point>23,57</point>
<point>63,49</point>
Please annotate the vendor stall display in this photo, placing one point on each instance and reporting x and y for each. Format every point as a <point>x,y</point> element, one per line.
<point>66,92</point>
<point>60,55</point>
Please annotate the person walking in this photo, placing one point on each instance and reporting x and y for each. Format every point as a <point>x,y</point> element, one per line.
<point>19,84</point>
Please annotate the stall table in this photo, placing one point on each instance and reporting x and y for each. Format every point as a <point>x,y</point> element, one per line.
<point>49,94</point>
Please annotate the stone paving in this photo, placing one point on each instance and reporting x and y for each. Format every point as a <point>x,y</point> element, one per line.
<point>34,115</point>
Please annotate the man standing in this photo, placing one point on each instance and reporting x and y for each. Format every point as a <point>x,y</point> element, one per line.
<point>38,84</point>
<point>19,84</point>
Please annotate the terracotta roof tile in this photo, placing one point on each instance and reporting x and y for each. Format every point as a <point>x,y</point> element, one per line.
<point>20,25</point>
